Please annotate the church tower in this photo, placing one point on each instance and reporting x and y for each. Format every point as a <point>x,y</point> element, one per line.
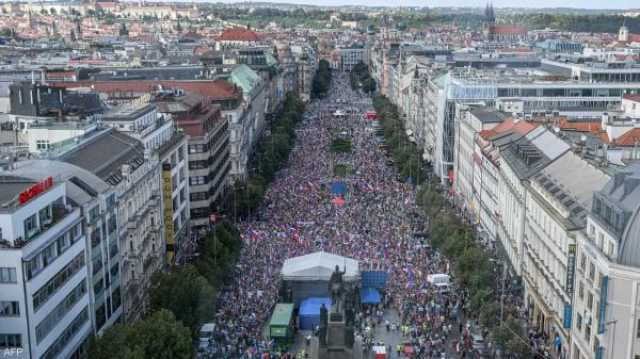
<point>623,34</point>
<point>489,21</point>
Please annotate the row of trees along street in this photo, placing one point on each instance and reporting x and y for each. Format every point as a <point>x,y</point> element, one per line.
<point>181,300</point>
<point>361,79</point>
<point>471,264</point>
<point>321,80</point>
<point>271,153</point>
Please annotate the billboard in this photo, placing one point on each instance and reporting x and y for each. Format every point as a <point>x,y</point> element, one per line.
<point>167,200</point>
<point>571,269</point>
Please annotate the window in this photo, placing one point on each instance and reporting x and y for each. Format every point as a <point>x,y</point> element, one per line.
<point>590,301</point>
<point>197,180</point>
<point>116,300</point>
<point>57,314</point>
<point>583,262</point>
<point>199,196</point>
<point>592,271</point>
<point>9,309</point>
<point>45,215</point>
<point>30,226</point>
<point>98,287</point>
<point>581,290</point>
<point>113,250</point>
<point>8,341</point>
<point>42,145</point>
<point>63,243</point>
<point>579,321</point>
<point>101,317</point>
<point>94,213</point>
<point>49,254</point>
<point>7,275</point>
<point>50,288</point>
<point>600,240</point>
<point>67,335</point>
<point>115,270</point>
<point>95,238</point>
<point>587,333</point>
<point>181,153</point>
<point>638,330</point>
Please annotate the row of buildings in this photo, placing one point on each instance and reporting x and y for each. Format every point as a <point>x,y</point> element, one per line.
<point>538,146</point>
<point>113,174</point>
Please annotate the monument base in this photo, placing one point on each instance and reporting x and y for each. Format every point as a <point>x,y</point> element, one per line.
<point>337,343</point>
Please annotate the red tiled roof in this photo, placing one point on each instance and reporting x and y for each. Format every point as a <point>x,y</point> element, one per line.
<point>629,138</point>
<point>238,34</point>
<point>581,126</point>
<point>215,89</point>
<point>522,127</point>
<point>632,97</point>
<point>508,29</point>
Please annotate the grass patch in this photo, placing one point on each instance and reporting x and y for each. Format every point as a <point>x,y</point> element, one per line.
<point>340,145</point>
<point>341,170</point>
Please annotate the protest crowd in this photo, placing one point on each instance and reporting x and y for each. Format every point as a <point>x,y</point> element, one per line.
<point>373,222</point>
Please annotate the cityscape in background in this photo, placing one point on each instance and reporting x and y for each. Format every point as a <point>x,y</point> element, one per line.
<point>181,176</point>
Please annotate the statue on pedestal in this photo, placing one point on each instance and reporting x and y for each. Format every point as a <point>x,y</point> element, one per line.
<point>335,288</point>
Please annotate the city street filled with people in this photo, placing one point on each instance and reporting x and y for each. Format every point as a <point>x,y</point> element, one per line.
<point>375,222</point>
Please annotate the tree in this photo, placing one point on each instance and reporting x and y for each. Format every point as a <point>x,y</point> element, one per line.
<point>114,344</point>
<point>123,30</point>
<point>218,251</point>
<point>162,337</point>
<point>321,80</point>
<point>489,315</point>
<point>186,294</point>
<point>157,336</point>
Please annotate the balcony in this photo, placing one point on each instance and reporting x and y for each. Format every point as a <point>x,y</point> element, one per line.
<point>58,213</point>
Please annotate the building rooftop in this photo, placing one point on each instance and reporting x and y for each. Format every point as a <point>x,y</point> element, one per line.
<point>239,34</point>
<point>128,111</point>
<point>82,185</point>
<point>531,153</point>
<point>105,153</point>
<point>489,116</point>
<point>574,192</point>
<point>11,186</point>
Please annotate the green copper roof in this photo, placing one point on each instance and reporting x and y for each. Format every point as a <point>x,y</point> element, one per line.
<point>245,77</point>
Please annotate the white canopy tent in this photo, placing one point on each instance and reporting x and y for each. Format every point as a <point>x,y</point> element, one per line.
<point>318,266</point>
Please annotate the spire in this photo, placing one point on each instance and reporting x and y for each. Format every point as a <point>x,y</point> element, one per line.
<point>489,13</point>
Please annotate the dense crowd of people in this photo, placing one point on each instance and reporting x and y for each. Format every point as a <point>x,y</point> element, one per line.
<point>374,225</point>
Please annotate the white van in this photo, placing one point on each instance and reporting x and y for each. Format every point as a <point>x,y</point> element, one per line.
<point>441,281</point>
<point>205,336</point>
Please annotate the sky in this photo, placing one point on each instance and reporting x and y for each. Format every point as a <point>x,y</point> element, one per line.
<point>582,4</point>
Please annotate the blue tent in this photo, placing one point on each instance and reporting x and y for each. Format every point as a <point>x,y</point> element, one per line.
<point>338,188</point>
<point>369,296</point>
<point>374,279</point>
<point>309,313</point>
